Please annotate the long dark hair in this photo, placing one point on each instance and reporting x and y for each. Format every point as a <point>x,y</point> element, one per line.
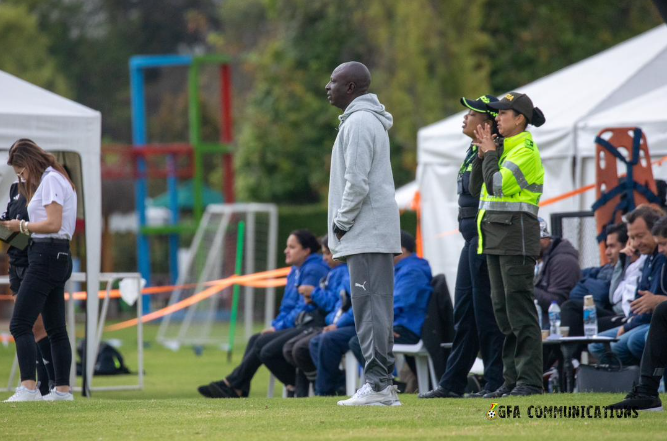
<point>27,154</point>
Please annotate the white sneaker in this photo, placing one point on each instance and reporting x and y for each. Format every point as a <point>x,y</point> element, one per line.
<point>24,394</point>
<point>54,395</point>
<point>366,396</point>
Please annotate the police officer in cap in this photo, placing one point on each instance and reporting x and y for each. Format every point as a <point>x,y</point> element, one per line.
<point>474,323</point>
<point>510,237</point>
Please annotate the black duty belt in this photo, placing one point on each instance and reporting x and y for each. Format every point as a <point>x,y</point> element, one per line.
<point>467,212</point>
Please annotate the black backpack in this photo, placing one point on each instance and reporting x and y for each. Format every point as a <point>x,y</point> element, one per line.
<point>109,360</point>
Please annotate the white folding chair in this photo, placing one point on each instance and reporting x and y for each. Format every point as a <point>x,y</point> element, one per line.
<point>423,362</point>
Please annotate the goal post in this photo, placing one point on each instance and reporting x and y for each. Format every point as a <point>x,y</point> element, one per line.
<point>212,256</point>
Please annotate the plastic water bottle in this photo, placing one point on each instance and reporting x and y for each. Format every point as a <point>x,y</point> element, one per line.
<point>554,319</point>
<point>590,317</point>
<point>539,313</point>
<point>553,385</point>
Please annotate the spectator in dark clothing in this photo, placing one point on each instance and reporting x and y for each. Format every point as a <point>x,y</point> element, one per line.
<point>559,271</point>
<point>17,208</point>
<point>632,334</point>
<point>626,273</point>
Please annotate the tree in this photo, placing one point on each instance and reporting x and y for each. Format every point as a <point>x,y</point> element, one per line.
<point>25,51</point>
<point>420,53</point>
<point>534,39</point>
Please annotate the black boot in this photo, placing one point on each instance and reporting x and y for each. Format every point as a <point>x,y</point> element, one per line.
<point>524,390</point>
<point>641,398</point>
<point>502,391</point>
<point>439,392</point>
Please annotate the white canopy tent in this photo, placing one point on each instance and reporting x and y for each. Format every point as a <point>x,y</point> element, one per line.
<point>620,87</point>
<point>59,125</point>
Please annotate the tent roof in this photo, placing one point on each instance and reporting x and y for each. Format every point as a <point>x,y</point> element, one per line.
<point>646,108</point>
<point>18,97</point>
<point>573,94</point>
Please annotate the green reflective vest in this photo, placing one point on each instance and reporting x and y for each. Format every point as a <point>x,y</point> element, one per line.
<point>517,185</point>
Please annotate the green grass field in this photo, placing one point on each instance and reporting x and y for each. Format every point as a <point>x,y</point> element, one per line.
<point>170,408</point>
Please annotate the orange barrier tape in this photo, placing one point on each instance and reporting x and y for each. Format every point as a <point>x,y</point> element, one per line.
<point>115,293</point>
<point>447,233</point>
<point>567,195</point>
<point>209,292</point>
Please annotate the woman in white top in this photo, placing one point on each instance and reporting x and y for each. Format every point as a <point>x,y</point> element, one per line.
<point>52,212</point>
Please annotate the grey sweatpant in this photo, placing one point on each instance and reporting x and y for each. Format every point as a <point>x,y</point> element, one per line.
<point>372,284</point>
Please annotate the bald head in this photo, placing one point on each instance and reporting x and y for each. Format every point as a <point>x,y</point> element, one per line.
<point>357,73</point>
<point>348,81</point>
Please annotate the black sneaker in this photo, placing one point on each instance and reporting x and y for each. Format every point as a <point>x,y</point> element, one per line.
<point>640,399</point>
<point>479,394</point>
<point>219,389</point>
<point>502,391</point>
<point>523,390</point>
<point>205,391</point>
<point>439,392</point>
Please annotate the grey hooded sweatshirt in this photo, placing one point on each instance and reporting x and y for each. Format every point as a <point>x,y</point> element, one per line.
<point>361,186</point>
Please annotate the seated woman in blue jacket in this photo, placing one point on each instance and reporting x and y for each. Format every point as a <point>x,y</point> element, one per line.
<point>412,292</point>
<point>330,307</point>
<point>307,269</point>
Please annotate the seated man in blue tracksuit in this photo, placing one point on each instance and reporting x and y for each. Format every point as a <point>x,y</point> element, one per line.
<point>412,292</point>
<point>632,334</point>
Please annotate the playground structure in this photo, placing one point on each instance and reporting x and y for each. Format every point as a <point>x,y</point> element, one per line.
<point>193,154</point>
<point>177,161</point>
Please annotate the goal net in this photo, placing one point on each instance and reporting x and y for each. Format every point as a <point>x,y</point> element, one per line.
<point>212,256</point>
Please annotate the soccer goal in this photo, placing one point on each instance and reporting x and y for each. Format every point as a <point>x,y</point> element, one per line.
<point>212,256</point>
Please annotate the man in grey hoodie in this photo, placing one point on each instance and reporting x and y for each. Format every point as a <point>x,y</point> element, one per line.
<point>364,224</point>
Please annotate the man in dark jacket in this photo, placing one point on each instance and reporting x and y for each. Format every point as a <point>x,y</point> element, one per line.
<point>559,271</point>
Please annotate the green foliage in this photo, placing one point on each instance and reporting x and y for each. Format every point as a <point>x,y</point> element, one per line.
<point>416,54</point>
<point>538,38</point>
<point>25,50</point>
<point>423,54</point>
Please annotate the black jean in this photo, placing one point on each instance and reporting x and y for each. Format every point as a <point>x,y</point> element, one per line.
<point>654,358</point>
<point>475,327</point>
<point>16,276</point>
<point>261,348</point>
<point>43,291</point>
<point>297,353</point>
<point>297,350</point>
